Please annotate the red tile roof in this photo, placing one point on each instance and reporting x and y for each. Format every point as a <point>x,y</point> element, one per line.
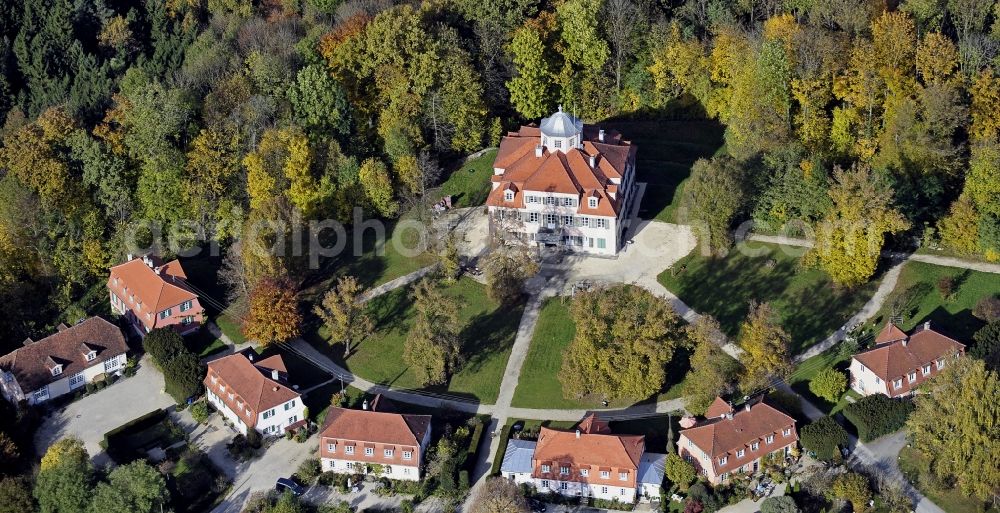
<point>899,357</point>
<point>154,291</point>
<point>382,427</point>
<point>251,385</point>
<point>592,451</point>
<point>890,333</point>
<point>32,364</point>
<point>718,408</point>
<point>725,436</point>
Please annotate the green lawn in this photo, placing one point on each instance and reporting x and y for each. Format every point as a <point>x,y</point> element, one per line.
<point>470,184</point>
<point>539,386</point>
<point>799,380</point>
<point>809,306</point>
<point>916,299</point>
<point>666,151</point>
<point>487,336</point>
<point>912,463</point>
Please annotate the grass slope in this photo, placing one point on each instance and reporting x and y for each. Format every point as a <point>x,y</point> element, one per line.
<point>487,336</point>
<point>539,386</point>
<point>666,151</point>
<point>916,299</point>
<point>470,184</point>
<point>809,306</point>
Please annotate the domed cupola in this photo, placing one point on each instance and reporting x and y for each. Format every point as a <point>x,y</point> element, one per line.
<point>561,131</point>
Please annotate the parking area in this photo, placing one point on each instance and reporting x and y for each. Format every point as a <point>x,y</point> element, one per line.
<point>94,415</point>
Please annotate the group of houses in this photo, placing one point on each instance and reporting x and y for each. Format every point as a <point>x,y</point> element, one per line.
<point>562,184</point>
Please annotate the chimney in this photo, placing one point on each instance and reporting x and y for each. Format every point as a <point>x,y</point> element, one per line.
<point>148,261</point>
<point>539,149</point>
<point>158,271</point>
<point>747,406</point>
<point>927,325</point>
<point>600,135</point>
<point>593,161</point>
<point>578,434</point>
<point>274,374</point>
<point>250,357</point>
<point>364,405</point>
<point>129,257</point>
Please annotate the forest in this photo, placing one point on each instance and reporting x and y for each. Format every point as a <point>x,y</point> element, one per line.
<point>202,116</point>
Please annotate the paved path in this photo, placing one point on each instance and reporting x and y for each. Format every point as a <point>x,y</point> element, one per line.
<point>391,285</point>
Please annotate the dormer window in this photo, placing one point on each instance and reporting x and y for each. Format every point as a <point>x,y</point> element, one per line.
<point>940,364</point>
<point>912,377</point>
<point>623,476</point>
<point>564,471</point>
<point>769,439</point>
<point>57,370</point>
<point>91,356</point>
<point>546,469</point>
<point>723,460</point>
<point>897,384</point>
<point>926,370</point>
<point>787,432</point>
<point>508,195</point>
<point>592,202</point>
<point>754,446</point>
<point>740,453</point>
<point>605,474</point>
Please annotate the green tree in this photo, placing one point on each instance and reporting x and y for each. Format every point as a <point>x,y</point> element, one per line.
<point>954,426</point>
<point>987,346</point>
<point>344,314</point>
<point>15,496</point>
<point>849,239</point>
<point>64,483</point>
<point>679,471</point>
<point>829,384</point>
<point>531,87</point>
<point>450,265</point>
<point>162,344</point>
<point>765,348</point>
<point>433,347</point>
<point>713,196</point>
<point>507,268</point>
<point>624,338</point>
<point>824,437</point>
<point>782,504</point>
<point>131,488</point>
<point>712,370</point>
<point>319,102</point>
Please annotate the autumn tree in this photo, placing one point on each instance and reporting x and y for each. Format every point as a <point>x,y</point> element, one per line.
<point>65,478</point>
<point>507,268</point>
<point>450,266</point>
<point>344,314</point>
<point>765,348</point>
<point>954,426</point>
<point>853,488</point>
<point>531,87</point>
<point>829,384</point>
<point>849,239</point>
<point>624,338</point>
<point>679,471</point>
<point>499,495</point>
<point>273,315</point>
<point>712,370</point>
<point>433,346</point>
<point>15,495</point>
<point>713,196</point>
<point>377,186</point>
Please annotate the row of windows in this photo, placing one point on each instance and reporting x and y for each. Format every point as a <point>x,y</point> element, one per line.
<point>769,439</point>
<point>567,221</point>
<point>185,306</point>
<point>360,467</point>
<point>369,451</point>
<point>605,474</point>
<point>565,486</point>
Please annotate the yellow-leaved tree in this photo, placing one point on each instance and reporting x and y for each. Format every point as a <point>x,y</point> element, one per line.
<point>765,348</point>
<point>850,236</point>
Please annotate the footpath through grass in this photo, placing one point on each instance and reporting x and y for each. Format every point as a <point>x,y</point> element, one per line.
<point>666,151</point>
<point>487,337</point>
<point>539,386</point>
<point>809,306</point>
<point>916,299</point>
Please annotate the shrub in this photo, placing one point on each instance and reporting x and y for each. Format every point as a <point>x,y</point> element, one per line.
<point>182,371</point>
<point>987,309</point>
<point>946,287</point>
<point>783,504</point>
<point>823,437</point>
<point>876,415</point>
<point>244,448</point>
<point>463,480</point>
<point>309,470</point>
<point>829,384</point>
<point>853,488</point>
<point>200,412</point>
<point>679,471</point>
<point>987,346</point>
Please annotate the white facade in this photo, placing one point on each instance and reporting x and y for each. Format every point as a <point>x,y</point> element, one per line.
<point>392,471</point>
<point>551,219</point>
<point>271,422</point>
<point>622,494</point>
<point>67,383</point>
<point>864,381</point>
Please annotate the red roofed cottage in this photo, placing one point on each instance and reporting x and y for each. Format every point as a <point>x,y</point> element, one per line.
<point>254,394</point>
<point>899,363</point>
<point>564,184</point>
<point>355,441</point>
<point>151,294</point>
<point>735,441</point>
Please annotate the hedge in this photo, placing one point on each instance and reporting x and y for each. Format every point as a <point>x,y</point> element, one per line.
<point>876,415</point>
<point>823,437</point>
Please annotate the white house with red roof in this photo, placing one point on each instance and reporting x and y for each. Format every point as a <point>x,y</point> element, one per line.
<point>590,461</point>
<point>375,437</point>
<point>899,363</point>
<point>563,184</point>
<point>152,294</point>
<point>731,440</point>
<point>254,394</point>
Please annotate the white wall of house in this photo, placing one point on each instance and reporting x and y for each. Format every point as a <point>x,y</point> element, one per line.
<point>399,472</point>
<point>67,383</point>
<point>518,477</point>
<point>575,489</point>
<point>273,422</point>
<point>647,491</point>
<point>230,415</point>
<point>864,381</point>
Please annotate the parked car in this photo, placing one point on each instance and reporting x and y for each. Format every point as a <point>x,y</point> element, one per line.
<point>284,484</point>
